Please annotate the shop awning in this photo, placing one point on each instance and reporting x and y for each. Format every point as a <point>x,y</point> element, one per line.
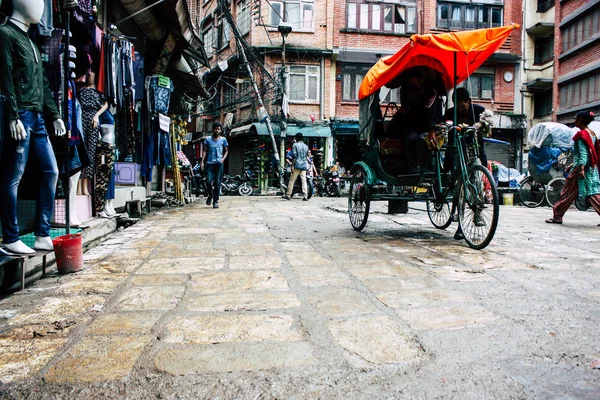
<point>261,130</point>
<point>345,129</point>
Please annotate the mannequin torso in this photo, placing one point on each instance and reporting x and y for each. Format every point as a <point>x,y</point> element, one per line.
<point>23,59</point>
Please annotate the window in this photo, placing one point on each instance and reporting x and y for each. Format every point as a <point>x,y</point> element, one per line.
<point>542,103</point>
<point>466,15</point>
<point>581,31</point>
<point>303,83</point>
<point>208,39</point>
<point>480,86</point>
<point>244,20</point>
<point>352,77</point>
<point>580,92</point>
<point>297,13</point>
<point>394,16</point>
<point>544,5</point>
<point>544,50</point>
<point>223,35</point>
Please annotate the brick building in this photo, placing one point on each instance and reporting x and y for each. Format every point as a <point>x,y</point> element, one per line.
<point>576,83</point>
<point>332,45</point>
<point>365,30</point>
<point>538,61</point>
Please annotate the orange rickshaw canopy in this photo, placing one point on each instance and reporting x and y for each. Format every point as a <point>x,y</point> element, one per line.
<point>437,51</point>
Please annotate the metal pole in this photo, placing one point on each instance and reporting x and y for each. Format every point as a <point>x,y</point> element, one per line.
<point>262,106</point>
<point>67,76</point>
<point>240,48</point>
<point>284,116</point>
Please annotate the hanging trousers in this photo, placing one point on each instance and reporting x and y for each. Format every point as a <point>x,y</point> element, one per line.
<point>105,162</point>
<point>569,194</point>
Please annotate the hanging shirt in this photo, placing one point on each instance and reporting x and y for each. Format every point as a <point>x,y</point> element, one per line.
<point>22,77</point>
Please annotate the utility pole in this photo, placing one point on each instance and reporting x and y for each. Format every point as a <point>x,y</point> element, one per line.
<point>263,114</point>
<point>284,30</point>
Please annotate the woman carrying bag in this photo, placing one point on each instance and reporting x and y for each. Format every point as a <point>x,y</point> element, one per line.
<point>583,179</point>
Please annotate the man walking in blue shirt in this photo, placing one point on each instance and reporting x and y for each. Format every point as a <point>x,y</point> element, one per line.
<point>216,149</point>
<point>299,167</point>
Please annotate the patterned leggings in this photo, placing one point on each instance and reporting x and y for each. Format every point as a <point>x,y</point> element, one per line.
<point>569,194</point>
<point>105,162</point>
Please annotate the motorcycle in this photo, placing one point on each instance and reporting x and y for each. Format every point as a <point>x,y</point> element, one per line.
<point>330,186</point>
<point>310,186</point>
<point>199,181</point>
<point>229,184</point>
<point>237,184</point>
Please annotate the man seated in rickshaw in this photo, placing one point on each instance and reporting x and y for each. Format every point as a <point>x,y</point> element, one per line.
<point>420,111</point>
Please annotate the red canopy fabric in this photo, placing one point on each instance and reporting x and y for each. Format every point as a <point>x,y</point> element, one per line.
<point>437,51</point>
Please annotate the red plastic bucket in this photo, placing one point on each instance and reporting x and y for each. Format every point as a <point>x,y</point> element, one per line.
<point>69,253</point>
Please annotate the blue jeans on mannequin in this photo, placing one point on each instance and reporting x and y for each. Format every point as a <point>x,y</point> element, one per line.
<point>214,175</point>
<point>14,160</point>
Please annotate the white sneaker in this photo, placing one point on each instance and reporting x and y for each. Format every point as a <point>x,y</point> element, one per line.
<point>103,214</point>
<point>43,243</point>
<point>18,247</point>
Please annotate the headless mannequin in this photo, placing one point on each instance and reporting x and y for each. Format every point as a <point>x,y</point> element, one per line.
<point>108,137</point>
<point>25,13</point>
<point>95,123</point>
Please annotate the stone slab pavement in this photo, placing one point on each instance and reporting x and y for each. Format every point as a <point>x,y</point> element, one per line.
<point>266,298</point>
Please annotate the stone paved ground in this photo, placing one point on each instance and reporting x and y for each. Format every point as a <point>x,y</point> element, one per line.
<point>266,298</point>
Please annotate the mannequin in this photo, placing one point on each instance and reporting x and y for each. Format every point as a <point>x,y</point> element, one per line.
<point>93,104</point>
<point>27,100</point>
<point>105,162</point>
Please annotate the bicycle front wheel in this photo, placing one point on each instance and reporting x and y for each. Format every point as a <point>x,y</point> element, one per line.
<point>478,207</point>
<point>553,189</point>
<point>359,199</point>
<point>532,193</point>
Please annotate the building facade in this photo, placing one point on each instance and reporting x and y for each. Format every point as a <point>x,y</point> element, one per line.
<point>538,61</point>
<point>332,44</point>
<point>365,30</point>
<point>576,81</point>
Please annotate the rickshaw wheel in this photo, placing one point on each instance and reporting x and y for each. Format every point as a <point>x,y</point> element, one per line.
<point>439,214</point>
<point>478,207</point>
<point>359,199</point>
<point>553,189</point>
<point>531,192</point>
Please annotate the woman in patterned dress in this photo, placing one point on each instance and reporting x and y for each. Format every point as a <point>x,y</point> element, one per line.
<point>583,179</point>
<point>93,104</point>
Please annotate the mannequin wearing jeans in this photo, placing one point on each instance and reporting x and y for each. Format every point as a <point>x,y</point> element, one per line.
<point>24,83</point>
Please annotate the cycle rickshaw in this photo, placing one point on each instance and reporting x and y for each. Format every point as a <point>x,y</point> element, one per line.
<point>550,151</point>
<point>466,185</point>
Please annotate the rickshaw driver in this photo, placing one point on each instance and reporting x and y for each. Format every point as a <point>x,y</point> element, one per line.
<point>467,113</point>
<point>421,110</point>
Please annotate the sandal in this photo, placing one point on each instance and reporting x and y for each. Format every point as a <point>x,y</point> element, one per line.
<point>553,221</point>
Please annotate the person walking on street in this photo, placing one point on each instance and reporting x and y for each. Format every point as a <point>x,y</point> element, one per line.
<point>215,152</point>
<point>299,167</point>
<point>583,179</point>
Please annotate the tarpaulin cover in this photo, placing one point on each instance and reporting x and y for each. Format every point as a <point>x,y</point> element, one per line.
<point>550,134</point>
<point>546,142</point>
<point>437,51</point>
<point>543,157</point>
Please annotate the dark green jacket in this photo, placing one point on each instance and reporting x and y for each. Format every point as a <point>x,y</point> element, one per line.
<point>22,77</point>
